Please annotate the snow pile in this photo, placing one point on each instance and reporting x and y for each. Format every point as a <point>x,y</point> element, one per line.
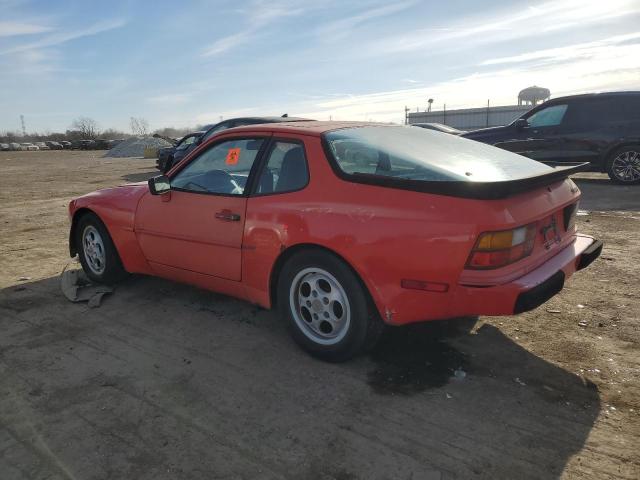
<point>134,146</point>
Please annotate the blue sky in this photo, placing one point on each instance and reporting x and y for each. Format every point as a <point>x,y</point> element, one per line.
<point>187,63</point>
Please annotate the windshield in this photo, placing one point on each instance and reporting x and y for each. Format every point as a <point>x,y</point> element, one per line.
<point>425,155</point>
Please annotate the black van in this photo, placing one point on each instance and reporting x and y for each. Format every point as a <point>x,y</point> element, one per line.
<point>600,128</point>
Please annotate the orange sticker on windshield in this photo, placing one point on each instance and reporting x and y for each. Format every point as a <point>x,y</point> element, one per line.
<point>232,156</point>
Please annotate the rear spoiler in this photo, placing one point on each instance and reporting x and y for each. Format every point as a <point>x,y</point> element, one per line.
<point>476,190</point>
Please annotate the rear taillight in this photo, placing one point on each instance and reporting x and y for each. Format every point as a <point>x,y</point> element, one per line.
<point>497,249</point>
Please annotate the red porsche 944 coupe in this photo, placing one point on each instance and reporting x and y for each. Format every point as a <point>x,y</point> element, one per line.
<point>345,227</point>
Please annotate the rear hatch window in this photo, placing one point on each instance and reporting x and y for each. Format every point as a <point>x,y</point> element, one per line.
<point>415,154</point>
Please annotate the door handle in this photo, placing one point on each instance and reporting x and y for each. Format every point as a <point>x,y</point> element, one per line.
<point>227,216</point>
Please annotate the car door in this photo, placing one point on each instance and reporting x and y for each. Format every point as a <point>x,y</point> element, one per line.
<point>588,129</point>
<point>542,137</point>
<point>198,225</point>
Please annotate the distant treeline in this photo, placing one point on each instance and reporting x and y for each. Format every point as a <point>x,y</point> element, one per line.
<point>91,133</point>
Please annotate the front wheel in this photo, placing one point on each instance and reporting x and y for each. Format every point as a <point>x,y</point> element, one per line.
<point>98,255</point>
<point>326,307</point>
<point>624,166</point>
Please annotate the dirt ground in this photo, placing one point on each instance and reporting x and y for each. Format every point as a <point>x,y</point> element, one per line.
<point>168,381</point>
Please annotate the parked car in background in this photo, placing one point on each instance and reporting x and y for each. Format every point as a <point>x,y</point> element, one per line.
<point>83,144</point>
<point>28,146</point>
<point>103,144</point>
<point>42,146</point>
<point>600,128</point>
<point>65,144</point>
<point>54,145</point>
<point>4,147</point>
<point>439,127</point>
<point>224,125</point>
<point>434,226</point>
<point>14,146</point>
<point>165,155</point>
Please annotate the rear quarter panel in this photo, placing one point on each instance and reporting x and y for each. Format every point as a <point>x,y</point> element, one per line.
<point>386,235</point>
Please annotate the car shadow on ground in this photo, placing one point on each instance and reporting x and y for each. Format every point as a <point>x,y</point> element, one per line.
<point>167,381</point>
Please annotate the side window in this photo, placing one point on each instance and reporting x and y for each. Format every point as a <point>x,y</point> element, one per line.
<point>285,170</point>
<point>213,131</point>
<point>588,113</point>
<point>223,168</point>
<point>548,117</point>
<point>186,142</point>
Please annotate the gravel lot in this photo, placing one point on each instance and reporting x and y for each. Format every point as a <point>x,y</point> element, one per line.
<point>167,381</point>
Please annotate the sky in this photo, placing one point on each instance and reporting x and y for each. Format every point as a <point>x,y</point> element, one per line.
<point>188,63</point>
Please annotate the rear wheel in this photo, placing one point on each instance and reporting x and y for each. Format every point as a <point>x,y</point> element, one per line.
<point>98,255</point>
<point>326,307</point>
<point>623,165</point>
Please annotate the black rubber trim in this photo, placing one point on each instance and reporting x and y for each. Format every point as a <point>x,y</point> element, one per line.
<point>463,189</point>
<point>590,254</point>
<point>538,295</point>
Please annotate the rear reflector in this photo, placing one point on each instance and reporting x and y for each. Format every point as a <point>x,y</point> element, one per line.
<point>422,285</point>
<point>569,216</point>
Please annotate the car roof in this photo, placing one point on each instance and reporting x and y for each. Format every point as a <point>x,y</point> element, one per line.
<point>271,119</point>
<point>259,120</point>
<point>309,127</point>
<point>593,95</point>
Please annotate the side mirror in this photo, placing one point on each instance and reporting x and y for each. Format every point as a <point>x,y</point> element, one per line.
<point>521,123</point>
<point>159,185</point>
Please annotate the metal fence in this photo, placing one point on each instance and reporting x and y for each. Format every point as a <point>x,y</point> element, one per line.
<point>470,118</point>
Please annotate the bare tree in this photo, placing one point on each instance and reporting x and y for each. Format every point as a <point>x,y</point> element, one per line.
<point>87,127</point>
<point>139,126</point>
<point>113,134</point>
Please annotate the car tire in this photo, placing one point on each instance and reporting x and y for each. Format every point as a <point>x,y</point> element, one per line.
<point>96,251</point>
<point>623,165</point>
<point>327,308</point>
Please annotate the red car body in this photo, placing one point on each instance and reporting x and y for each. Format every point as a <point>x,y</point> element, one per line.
<point>409,248</point>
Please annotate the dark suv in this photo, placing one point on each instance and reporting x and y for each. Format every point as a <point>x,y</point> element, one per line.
<point>600,128</point>
<point>165,155</point>
<point>224,125</point>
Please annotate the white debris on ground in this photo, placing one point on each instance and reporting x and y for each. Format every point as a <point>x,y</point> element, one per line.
<point>77,288</point>
<point>135,146</point>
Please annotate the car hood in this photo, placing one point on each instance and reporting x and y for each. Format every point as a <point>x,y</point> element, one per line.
<point>123,194</point>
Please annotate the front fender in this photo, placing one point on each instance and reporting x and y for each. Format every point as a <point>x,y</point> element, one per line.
<point>116,208</point>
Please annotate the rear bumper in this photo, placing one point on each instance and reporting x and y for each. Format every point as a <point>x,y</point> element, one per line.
<point>530,290</point>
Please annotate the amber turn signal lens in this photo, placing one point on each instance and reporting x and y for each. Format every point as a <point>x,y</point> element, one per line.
<point>497,249</point>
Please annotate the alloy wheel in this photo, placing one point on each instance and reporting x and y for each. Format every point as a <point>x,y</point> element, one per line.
<point>320,306</point>
<point>93,248</point>
<point>626,166</point>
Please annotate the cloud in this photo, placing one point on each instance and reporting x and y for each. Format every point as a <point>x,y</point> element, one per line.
<point>609,46</point>
<point>171,99</point>
<point>505,26</point>
<point>60,37</point>
<point>227,43</point>
<point>612,67</point>
<point>259,14</point>
<point>341,28</point>
<point>11,29</point>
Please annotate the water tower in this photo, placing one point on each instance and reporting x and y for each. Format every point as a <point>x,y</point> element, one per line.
<point>533,95</point>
